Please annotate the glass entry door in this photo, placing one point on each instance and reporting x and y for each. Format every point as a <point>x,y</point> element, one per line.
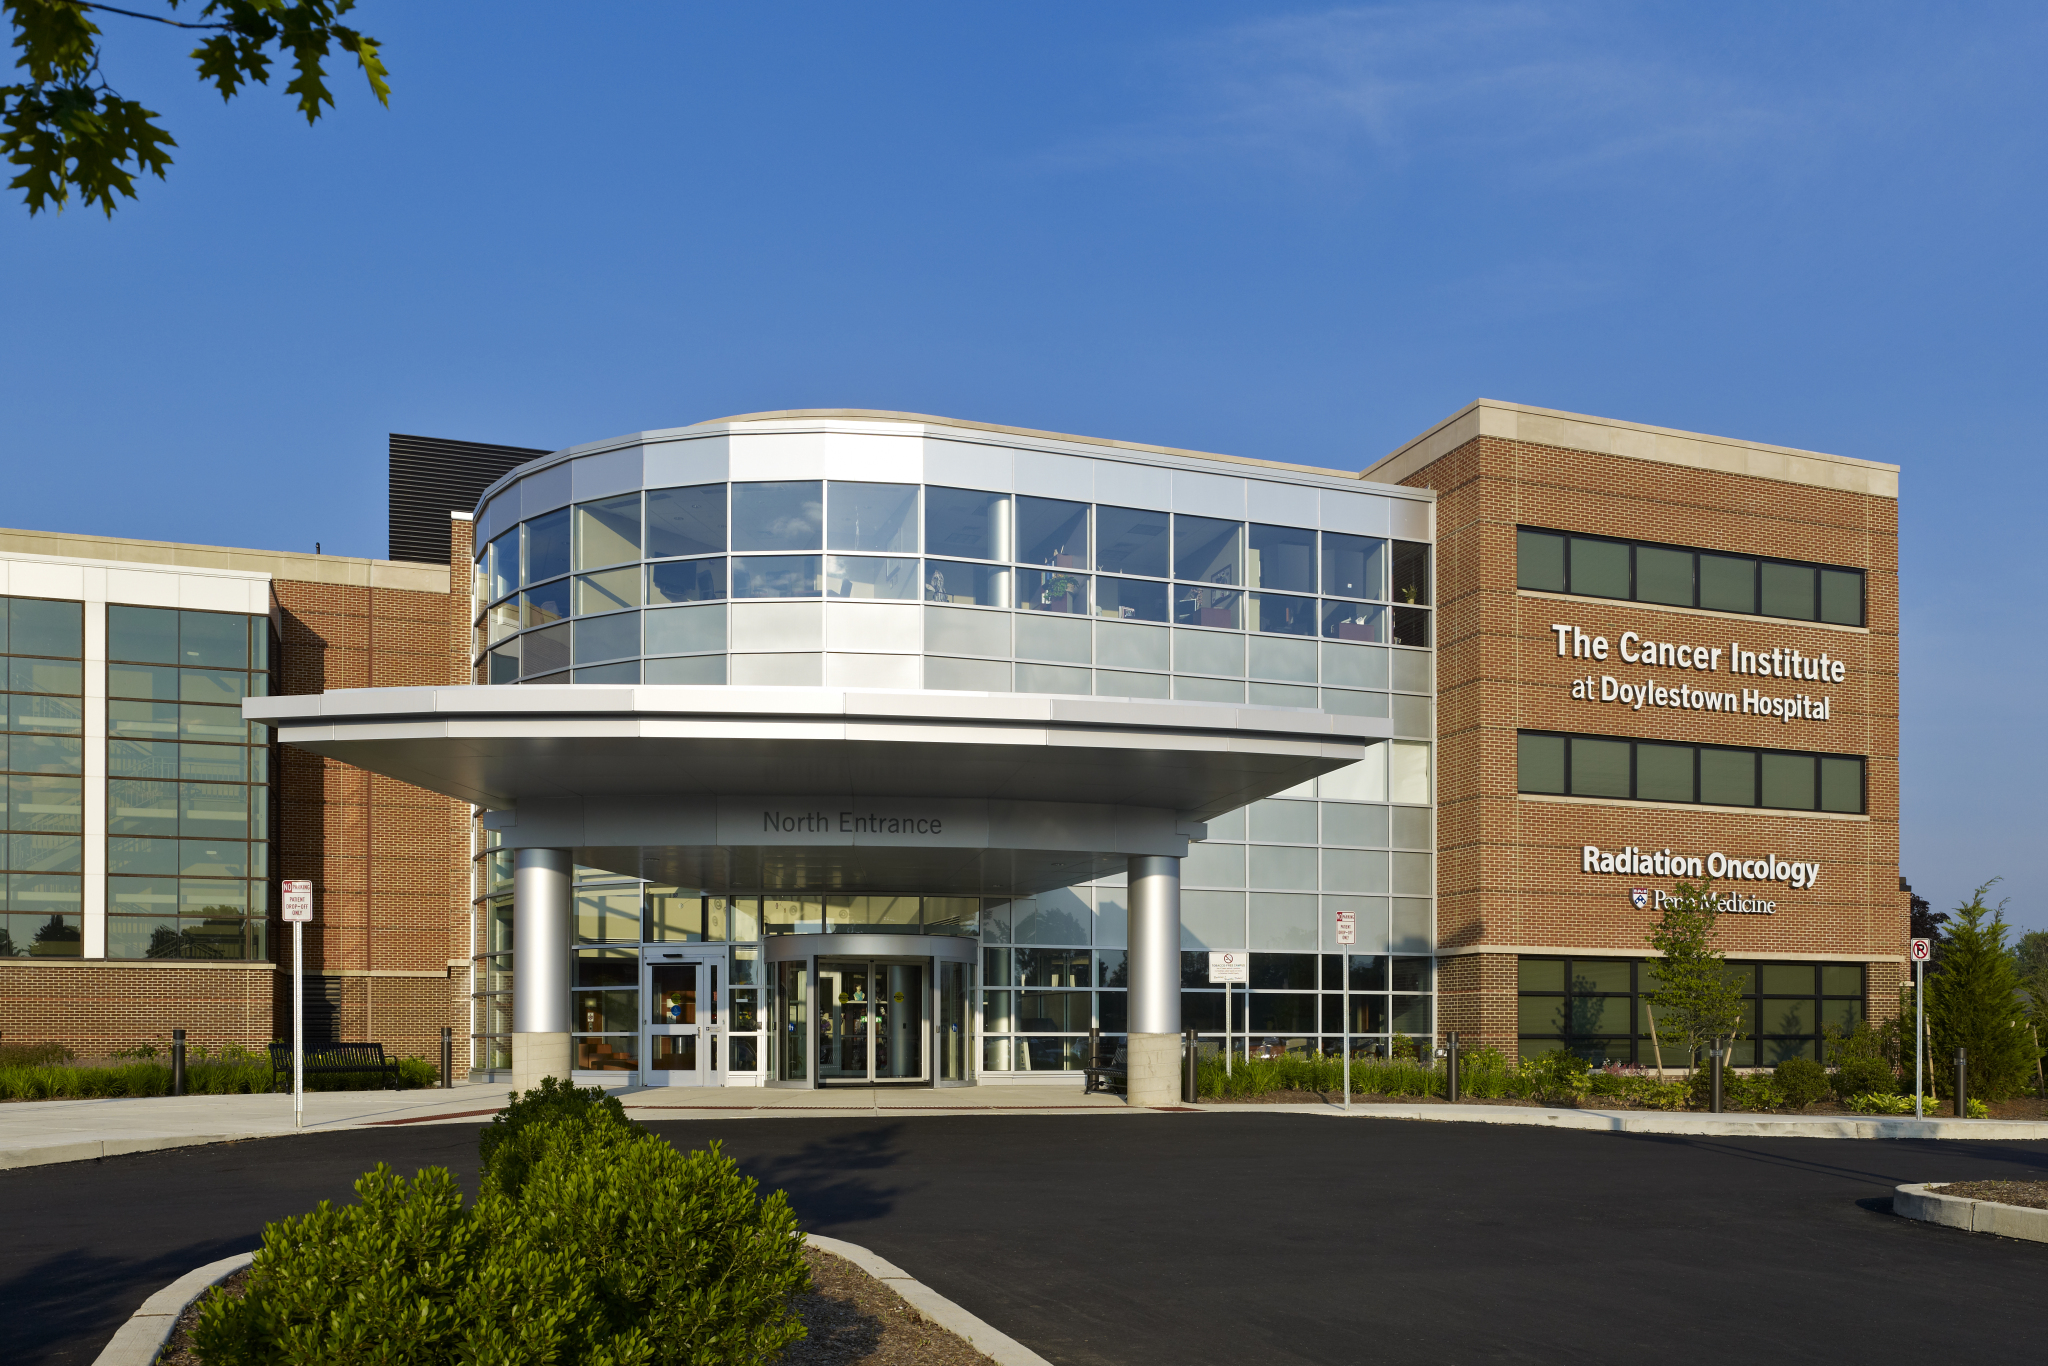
<point>873,1021</point>
<point>682,1025</point>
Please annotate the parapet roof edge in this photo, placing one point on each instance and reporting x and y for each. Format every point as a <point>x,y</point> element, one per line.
<point>1635,440</point>
<point>292,566</point>
<point>714,426</point>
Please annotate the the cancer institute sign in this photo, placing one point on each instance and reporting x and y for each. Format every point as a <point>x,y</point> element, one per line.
<point>1683,695</point>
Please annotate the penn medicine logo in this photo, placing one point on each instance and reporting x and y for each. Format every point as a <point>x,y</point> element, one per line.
<point>1641,897</point>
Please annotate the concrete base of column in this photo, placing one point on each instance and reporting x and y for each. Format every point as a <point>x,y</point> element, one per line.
<point>539,1055</point>
<point>1154,1062</point>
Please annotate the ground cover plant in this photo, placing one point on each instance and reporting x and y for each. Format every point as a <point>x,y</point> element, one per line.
<point>49,1072</point>
<point>591,1243</point>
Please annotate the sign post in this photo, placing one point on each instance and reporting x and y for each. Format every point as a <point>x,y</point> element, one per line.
<point>1224,969</point>
<point>1347,935</point>
<point>298,911</point>
<point>1923,949</point>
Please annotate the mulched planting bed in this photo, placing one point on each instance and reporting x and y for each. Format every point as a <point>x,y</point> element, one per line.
<point>854,1320</point>
<point>2032,1194</point>
<point>2022,1108</point>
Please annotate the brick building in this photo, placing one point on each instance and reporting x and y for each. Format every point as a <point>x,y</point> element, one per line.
<point>1563,544</point>
<point>1555,664</point>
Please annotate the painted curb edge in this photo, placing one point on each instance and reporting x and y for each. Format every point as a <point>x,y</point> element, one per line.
<point>148,1329</point>
<point>138,1341</point>
<point>1971,1216</point>
<point>989,1341</point>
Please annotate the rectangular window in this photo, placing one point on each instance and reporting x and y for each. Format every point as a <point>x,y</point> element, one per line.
<point>608,532</point>
<point>1676,576</point>
<point>1716,775</point>
<point>1354,566</point>
<point>1131,541</point>
<point>976,585</point>
<point>1051,531</point>
<point>966,522</point>
<point>880,518</point>
<point>784,515</point>
<point>687,521</point>
<point>1206,550</point>
<point>1280,557</point>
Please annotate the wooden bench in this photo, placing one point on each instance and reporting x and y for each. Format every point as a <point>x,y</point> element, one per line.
<point>334,1059</point>
<point>1112,1073</point>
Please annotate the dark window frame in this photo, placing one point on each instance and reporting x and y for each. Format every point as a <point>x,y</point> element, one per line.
<point>1756,579</point>
<point>1633,741</point>
<point>1754,998</point>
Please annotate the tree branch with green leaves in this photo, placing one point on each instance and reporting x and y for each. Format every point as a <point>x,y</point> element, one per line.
<point>70,132</point>
<point>1695,999</point>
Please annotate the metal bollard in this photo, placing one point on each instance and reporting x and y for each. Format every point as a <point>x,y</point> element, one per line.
<point>447,1057</point>
<point>1717,1055</point>
<point>1962,1084</point>
<point>177,1062</point>
<point>1451,1070</point>
<point>1188,1084</point>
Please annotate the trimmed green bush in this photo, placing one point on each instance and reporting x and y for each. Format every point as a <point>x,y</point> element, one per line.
<point>1801,1082</point>
<point>1861,1076</point>
<point>201,1079</point>
<point>592,1243</point>
<point>1891,1103</point>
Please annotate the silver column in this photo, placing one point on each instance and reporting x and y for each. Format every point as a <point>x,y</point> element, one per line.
<point>1155,944</point>
<point>542,906</point>
<point>1154,974</point>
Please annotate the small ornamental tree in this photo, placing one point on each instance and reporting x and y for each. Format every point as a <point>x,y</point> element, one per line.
<point>1694,999</point>
<point>1978,1003</point>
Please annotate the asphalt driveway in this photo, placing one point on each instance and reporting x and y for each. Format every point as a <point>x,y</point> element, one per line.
<point>1178,1238</point>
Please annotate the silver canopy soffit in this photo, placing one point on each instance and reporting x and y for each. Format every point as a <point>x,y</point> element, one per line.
<point>494,746</point>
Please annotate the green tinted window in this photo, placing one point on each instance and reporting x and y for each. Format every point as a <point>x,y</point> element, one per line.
<point>1541,1014</point>
<point>1788,781</point>
<point>1787,979</point>
<point>1541,974</point>
<point>1540,763</point>
<point>1539,561</point>
<point>1728,777</point>
<point>1841,784</point>
<point>36,627</point>
<point>1841,597</point>
<point>1727,583</point>
<point>1599,767</point>
<point>1841,979</point>
<point>147,635</point>
<point>1600,568</point>
<point>1664,575</point>
<point>1600,974</point>
<point>1788,591</point>
<point>1664,772</point>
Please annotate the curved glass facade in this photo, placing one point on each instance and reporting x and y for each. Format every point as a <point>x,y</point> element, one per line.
<point>938,584</point>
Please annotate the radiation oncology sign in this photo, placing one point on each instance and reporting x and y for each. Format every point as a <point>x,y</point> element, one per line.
<point>1634,862</point>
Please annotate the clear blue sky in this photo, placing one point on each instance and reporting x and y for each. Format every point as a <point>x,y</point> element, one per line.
<point>1295,232</point>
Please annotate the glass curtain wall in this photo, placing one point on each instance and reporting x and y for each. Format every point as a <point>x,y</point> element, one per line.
<point>188,785</point>
<point>42,764</point>
<point>1031,594</point>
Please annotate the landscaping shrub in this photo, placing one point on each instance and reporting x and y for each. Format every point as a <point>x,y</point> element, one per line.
<point>1636,1086</point>
<point>203,1077</point>
<point>1801,1082</point>
<point>34,1054</point>
<point>1860,1076</point>
<point>1559,1076</point>
<point>610,1248</point>
<point>1891,1103</point>
<point>1864,1059</point>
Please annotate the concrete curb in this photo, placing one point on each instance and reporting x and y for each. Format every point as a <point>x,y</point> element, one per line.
<point>1665,1122</point>
<point>137,1342</point>
<point>90,1150</point>
<point>991,1342</point>
<point>1971,1216</point>
<point>148,1329</point>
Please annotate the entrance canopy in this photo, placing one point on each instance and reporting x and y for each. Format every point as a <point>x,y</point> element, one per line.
<point>827,787</point>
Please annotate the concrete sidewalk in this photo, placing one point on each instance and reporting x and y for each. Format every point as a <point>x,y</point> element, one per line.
<point>1674,1122</point>
<point>36,1132</point>
<point>33,1133</point>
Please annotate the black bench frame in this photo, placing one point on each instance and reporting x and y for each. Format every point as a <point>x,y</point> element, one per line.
<point>334,1059</point>
<point>1104,1072</point>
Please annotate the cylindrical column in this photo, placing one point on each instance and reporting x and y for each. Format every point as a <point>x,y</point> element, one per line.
<point>1715,1105</point>
<point>178,1063</point>
<point>447,1057</point>
<point>1451,1067</point>
<point>541,911</point>
<point>1962,1083</point>
<point>1153,1054</point>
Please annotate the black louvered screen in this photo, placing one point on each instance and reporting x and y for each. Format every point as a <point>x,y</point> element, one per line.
<point>432,477</point>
